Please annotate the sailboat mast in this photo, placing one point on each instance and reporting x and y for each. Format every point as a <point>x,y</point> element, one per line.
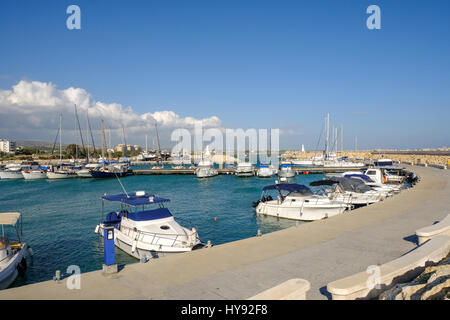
<point>81,134</point>
<point>103,141</point>
<point>157,139</point>
<point>327,133</point>
<point>90,130</point>
<point>60,140</point>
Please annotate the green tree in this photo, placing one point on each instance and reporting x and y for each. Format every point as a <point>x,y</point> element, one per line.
<point>71,151</point>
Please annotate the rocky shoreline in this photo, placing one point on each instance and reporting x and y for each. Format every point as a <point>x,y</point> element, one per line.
<point>432,284</point>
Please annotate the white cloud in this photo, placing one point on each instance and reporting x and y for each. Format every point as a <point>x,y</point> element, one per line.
<point>30,111</point>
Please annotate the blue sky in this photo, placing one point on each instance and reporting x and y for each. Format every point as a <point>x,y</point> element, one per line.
<point>253,64</point>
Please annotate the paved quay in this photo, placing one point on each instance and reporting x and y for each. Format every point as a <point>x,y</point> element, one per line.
<point>320,252</point>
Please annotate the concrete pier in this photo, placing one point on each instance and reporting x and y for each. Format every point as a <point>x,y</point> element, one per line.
<point>320,252</point>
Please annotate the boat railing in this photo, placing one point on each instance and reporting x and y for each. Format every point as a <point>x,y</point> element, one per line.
<point>155,237</point>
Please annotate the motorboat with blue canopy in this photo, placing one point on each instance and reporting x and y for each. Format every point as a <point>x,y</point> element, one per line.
<point>265,170</point>
<point>146,233</point>
<point>286,171</point>
<point>297,202</point>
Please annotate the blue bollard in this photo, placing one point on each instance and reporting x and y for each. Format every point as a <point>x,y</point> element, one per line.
<point>109,252</point>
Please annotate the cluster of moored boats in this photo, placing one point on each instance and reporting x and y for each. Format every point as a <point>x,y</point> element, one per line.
<point>34,171</point>
<point>333,195</point>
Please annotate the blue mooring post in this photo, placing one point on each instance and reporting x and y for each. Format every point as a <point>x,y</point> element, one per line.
<point>109,265</point>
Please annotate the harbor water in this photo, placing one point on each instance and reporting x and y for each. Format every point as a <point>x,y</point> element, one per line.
<point>60,216</point>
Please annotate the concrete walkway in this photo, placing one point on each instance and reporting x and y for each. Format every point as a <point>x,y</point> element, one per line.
<point>320,252</point>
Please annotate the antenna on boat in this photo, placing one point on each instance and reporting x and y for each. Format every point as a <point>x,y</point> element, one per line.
<point>126,193</point>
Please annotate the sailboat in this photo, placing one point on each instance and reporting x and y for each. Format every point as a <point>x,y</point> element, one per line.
<point>111,170</point>
<point>159,164</point>
<point>61,171</point>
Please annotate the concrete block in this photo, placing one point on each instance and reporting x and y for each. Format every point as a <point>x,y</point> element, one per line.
<point>293,289</point>
<point>426,233</point>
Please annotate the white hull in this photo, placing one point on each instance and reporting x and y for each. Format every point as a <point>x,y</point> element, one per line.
<point>358,198</point>
<point>206,172</point>
<point>148,245</point>
<point>60,175</point>
<point>244,173</point>
<point>84,173</point>
<point>300,210</point>
<point>8,268</point>
<point>286,173</point>
<point>302,163</point>
<point>6,175</point>
<point>34,175</point>
<point>265,173</point>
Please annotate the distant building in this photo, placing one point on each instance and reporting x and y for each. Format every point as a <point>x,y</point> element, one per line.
<point>7,146</point>
<point>122,148</point>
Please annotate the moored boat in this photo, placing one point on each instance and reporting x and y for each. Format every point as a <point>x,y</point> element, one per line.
<point>297,202</point>
<point>147,233</point>
<point>13,254</point>
<point>244,169</point>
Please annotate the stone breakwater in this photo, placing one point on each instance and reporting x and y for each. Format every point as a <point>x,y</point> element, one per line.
<point>432,284</point>
<point>413,158</point>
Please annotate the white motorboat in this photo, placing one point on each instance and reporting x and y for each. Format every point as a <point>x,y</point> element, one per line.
<point>386,190</point>
<point>205,167</point>
<point>286,170</point>
<point>378,175</point>
<point>350,191</point>
<point>303,163</point>
<point>86,172</point>
<point>244,169</point>
<point>147,233</point>
<point>13,254</point>
<point>61,172</point>
<point>298,204</point>
<point>265,171</point>
<point>34,174</point>
<point>8,174</point>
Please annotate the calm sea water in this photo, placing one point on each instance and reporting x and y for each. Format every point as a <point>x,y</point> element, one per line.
<point>59,217</point>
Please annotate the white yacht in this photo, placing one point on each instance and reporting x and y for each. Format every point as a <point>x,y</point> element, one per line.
<point>299,203</point>
<point>266,171</point>
<point>61,172</point>
<point>303,163</point>
<point>350,191</point>
<point>244,169</point>
<point>86,172</point>
<point>385,189</point>
<point>34,174</point>
<point>12,171</point>
<point>286,170</point>
<point>147,233</point>
<point>13,254</point>
<point>378,175</point>
<point>205,169</point>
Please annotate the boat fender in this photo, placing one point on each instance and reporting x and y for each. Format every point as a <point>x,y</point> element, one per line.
<point>22,267</point>
<point>96,228</point>
<point>133,247</point>
<point>30,251</point>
